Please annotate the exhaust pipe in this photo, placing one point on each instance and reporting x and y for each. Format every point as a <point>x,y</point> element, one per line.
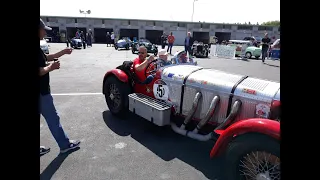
<point>208,115</point>
<point>194,134</point>
<point>234,111</point>
<point>192,110</point>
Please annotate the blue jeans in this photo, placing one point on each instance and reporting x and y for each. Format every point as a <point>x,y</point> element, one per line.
<point>264,53</point>
<point>188,49</point>
<point>50,114</point>
<point>170,47</point>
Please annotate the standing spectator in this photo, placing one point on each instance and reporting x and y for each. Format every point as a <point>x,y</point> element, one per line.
<point>170,42</point>
<point>112,39</point>
<point>83,39</point>
<point>265,46</point>
<point>47,108</point>
<point>78,34</point>
<point>188,41</point>
<point>89,39</point>
<point>108,39</point>
<point>163,40</point>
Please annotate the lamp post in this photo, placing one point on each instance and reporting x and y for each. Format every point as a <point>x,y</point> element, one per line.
<point>193,10</point>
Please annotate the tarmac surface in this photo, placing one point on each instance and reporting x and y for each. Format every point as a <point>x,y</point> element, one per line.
<point>131,149</point>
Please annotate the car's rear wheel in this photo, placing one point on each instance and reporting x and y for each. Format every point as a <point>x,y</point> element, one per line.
<point>253,156</point>
<point>116,95</point>
<point>116,47</point>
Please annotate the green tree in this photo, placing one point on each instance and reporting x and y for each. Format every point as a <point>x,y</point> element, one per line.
<point>271,23</point>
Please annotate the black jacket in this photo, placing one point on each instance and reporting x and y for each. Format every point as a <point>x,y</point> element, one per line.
<point>191,40</point>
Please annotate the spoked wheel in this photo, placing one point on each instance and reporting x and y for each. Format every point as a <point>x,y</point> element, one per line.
<point>253,157</point>
<point>116,95</point>
<point>260,165</point>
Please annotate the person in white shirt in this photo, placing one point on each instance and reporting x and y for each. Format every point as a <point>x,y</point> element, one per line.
<point>112,39</point>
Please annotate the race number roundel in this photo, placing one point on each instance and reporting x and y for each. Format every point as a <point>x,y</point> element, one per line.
<point>160,90</point>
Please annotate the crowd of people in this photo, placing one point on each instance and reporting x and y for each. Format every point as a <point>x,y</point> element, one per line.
<point>170,39</point>
<point>86,38</point>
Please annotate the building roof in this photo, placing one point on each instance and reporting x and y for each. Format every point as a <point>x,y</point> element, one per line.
<point>121,19</point>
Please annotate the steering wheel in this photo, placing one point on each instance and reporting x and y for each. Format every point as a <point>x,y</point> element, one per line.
<point>151,68</point>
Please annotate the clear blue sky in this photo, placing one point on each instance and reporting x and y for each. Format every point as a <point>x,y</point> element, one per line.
<point>218,11</point>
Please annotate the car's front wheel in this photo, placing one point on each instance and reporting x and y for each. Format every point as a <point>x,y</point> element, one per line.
<point>133,50</point>
<point>248,55</point>
<point>116,95</point>
<point>253,156</point>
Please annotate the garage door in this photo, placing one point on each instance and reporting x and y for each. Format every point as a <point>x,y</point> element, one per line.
<point>179,37</point>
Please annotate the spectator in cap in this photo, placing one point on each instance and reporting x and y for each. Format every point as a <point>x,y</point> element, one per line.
<point>163,57</point>
<point>48,63</point>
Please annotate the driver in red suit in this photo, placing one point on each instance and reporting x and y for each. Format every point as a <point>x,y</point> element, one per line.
<point>140,63</point>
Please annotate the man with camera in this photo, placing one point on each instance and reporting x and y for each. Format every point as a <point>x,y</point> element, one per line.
<point>48,63</point>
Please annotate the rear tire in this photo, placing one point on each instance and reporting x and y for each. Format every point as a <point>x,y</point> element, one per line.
<point>246,144</point>
<point>120,96</point>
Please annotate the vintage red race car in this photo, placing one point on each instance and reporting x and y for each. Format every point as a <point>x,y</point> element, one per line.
<point>239,114</point>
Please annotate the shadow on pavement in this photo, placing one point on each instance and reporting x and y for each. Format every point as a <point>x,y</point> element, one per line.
<point>272,65</point>
<point>166,144</point>
<point>54,165</point>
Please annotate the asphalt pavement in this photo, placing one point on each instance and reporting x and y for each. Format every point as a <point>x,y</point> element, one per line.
<point>130,149</point>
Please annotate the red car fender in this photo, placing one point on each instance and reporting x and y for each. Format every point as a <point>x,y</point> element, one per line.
<point>256,125</point>
<point>122,76</point>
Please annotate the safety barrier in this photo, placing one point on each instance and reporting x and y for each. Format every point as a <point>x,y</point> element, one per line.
<point>223,51</point>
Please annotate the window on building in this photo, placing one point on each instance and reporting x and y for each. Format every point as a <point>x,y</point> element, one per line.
<point>159,24</point>
<point>265,28</point>
<point>75,20</point>
<point>47,19</point>
<point>206,26</point>
<point>102,21</point>
<point>182,25</point>
<point>69,20</point>
<point>82,20</point>
<point>174,24</point>
<point>269,28</point>
<point>134,23</point>
<point>223,26</point>
<point>243,27</point>
<point>226,26</point>
<point>150,23</point>
<point>197,25</point>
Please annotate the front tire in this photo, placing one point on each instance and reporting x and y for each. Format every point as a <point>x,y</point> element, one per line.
<point>133,50</point>
<point>248,55</point>
<point>253,156</point>
<point>116,95</point>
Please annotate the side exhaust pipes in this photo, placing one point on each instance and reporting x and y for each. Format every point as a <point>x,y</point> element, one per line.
<point>234,111</point>
<point>192,110</point>
<point>194,134</point>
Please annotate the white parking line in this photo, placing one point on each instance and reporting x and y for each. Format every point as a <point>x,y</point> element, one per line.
<point>76,94</point>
